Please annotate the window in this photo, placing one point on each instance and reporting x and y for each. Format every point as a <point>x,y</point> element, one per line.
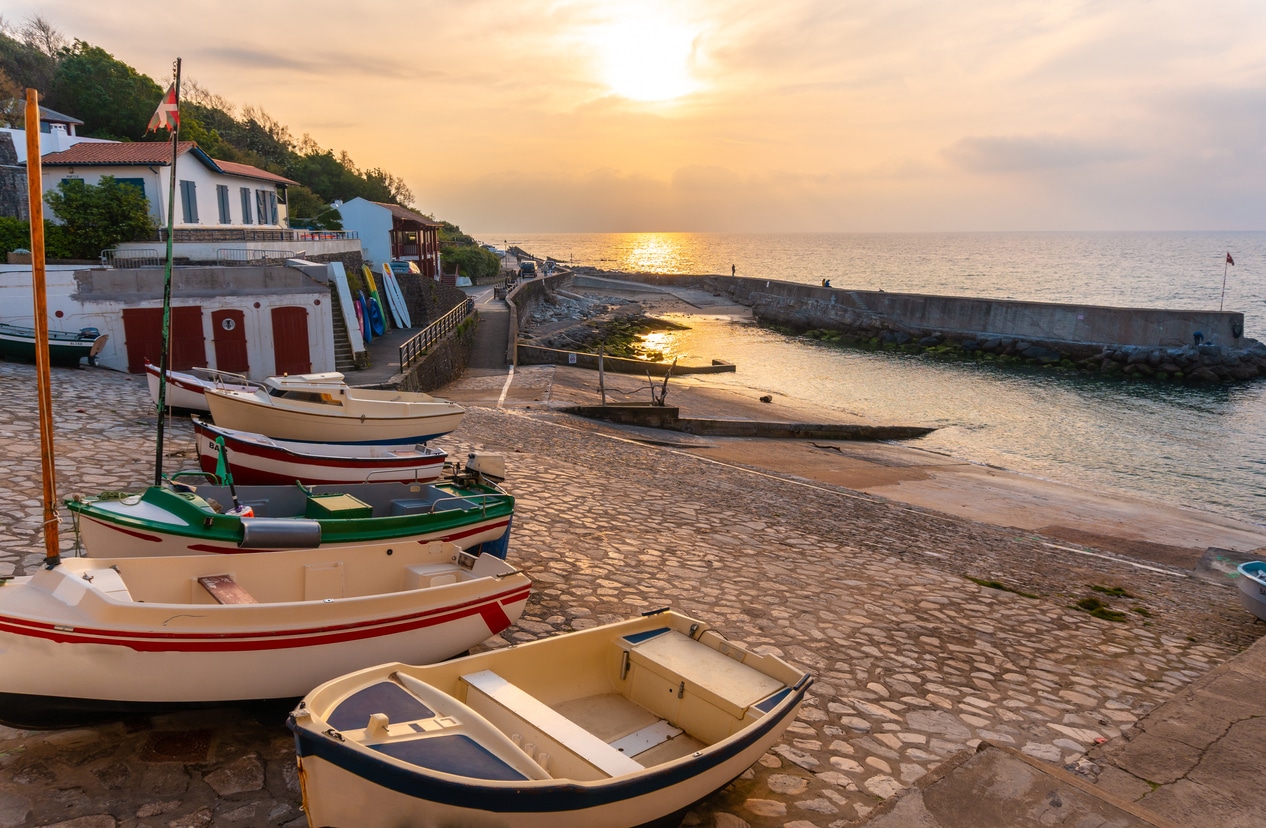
<point>246,205</point>
<point>222,196</point>
<point>266,206</point>
<point>138,183</point>
<point>189,201</point>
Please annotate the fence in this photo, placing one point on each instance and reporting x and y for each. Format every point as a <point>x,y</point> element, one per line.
<point>251,256</point>
<point>415,348</point>
<point>132,258</point>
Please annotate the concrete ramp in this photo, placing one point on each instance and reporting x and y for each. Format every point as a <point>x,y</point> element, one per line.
<point>998,786</point>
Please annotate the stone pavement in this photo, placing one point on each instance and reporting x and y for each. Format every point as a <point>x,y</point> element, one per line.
<point>914,662</point>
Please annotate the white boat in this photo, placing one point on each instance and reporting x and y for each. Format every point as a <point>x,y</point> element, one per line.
<point>257,459</point>
<point>616,726</point>
<point>118,634</point>
<point>1252,583</point>
<point>322,408</point>
<point>186,390</point>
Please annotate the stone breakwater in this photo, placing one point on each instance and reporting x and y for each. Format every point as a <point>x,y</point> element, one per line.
<point>1192,346</point>
<point>913,661</point>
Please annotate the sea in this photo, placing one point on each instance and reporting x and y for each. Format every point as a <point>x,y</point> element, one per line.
<point>1198,446</point>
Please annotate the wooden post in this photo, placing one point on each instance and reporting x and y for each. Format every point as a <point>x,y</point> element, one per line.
<point>43,359</point>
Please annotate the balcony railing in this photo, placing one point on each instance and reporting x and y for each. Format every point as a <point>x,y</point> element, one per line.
<point>415,348</point>
<point>233,256</point>
<point>132,258</point>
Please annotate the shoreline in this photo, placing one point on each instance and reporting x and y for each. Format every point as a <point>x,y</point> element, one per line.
<point>1118,522</point>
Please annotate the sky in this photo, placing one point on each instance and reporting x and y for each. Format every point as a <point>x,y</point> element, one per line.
<point>746,115</point>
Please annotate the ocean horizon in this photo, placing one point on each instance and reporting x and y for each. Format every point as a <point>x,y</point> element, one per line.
<point>1199,446</point>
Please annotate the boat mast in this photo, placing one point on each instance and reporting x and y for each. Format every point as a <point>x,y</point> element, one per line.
<point>43,372</point>
<point>163,357</point>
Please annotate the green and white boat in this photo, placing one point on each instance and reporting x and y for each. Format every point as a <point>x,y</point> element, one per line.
<point>65,348</point>
<point>466,509</point>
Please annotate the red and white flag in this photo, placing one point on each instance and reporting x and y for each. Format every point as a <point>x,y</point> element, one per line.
<point>167,116</point>
<point>1229,260</point>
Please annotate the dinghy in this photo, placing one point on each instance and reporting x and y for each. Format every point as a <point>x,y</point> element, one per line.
<point>146,633</point>
<point>65,348</point>
<point>186,390</point>
<point>1252,585</point>
<point>322,408</point>
<point>257,459</point>
<point>619,725</point>
<point>223,519</point>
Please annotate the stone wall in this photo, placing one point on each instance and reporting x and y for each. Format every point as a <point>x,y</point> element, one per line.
<point>428,300</point>
<point>13,189</point>
<point>1168,344</point>
<point>445,361</point>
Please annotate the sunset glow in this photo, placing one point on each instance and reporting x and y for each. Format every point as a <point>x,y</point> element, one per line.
<point>742,116</point>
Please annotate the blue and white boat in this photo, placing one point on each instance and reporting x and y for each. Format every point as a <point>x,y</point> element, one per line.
<point>1253,587</point>
<point>627,724</point>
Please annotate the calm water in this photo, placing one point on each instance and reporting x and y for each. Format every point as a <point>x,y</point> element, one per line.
<point>1202,447</point>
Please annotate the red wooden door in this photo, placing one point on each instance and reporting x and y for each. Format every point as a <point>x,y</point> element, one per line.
<point>290,341</point>
<point>228,333</point>
<point>143,332</point>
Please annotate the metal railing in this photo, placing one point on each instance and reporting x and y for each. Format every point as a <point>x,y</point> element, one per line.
<point>415,348</point>
<point>132,258</point>
<point>251,256</point>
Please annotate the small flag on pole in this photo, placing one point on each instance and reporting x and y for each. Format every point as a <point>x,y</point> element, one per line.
<point>167,116</point>
<point>1229,260</point>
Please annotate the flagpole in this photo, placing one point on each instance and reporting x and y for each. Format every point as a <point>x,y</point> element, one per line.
<point>43,359</point>
<point>1225,264</point>
<point>164,355</point>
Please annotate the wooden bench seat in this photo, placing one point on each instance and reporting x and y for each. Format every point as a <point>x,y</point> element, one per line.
<point>225,590</point>
<point>552,724</point>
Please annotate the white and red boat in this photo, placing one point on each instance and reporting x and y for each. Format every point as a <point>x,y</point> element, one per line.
<point>258,459</point>
<point>127,633</point>
<point>187,390</point>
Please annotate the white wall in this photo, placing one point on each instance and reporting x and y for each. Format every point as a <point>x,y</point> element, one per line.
<point>373,223</point>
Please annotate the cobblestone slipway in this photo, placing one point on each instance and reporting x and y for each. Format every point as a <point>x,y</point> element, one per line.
<point>913,661</point>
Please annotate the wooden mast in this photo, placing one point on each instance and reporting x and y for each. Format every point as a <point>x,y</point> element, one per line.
<point>43,372</point>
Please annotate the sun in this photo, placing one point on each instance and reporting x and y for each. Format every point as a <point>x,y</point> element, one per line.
<point>647,60</point>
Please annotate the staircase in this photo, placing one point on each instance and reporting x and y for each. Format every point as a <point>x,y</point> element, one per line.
<point>344,360</point>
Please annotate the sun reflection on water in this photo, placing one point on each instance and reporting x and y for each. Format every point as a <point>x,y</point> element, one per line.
<point>656,252</point>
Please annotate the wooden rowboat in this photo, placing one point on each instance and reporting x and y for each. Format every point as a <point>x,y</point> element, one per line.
<point>65,348</point>
<point>1252,583</point>
<point>177,520</point>
<point>257,459</point>
<point>144,633</point>
<point>322,408</point>
<point>186,390</point>
<point>616,726</point>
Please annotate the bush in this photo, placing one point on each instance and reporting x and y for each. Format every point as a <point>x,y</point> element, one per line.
<point>98,218</point>
<point>15,234</point>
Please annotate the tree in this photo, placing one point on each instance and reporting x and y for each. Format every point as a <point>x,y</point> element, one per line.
<point>111,98</point>
<point>98,218</point>
<point>307,209</point>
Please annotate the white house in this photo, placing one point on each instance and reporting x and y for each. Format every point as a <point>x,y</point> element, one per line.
<point>389,232</point>
<point>210,193</point>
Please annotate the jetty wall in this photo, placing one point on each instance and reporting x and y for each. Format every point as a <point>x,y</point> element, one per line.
<point>1182,344</point>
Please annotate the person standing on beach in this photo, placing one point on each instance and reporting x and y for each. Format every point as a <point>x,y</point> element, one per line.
<point>732,270</point>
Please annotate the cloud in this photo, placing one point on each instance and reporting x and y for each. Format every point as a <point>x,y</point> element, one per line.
<point>1018,153</point>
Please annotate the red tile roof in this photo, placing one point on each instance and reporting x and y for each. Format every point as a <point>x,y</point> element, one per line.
<point>408,215</point>
<point>149,154</point>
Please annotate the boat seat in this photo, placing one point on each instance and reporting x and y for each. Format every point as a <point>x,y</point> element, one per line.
<point>109,582</point>
<point>416,506</point>
<point>225,590</point>
<point>421,576</point>
<point>551,723</point>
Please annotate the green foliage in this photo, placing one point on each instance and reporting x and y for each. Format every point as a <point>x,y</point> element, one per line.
<point>111,98</point>
<point>98,218</point>
<point>15,234</point>
<point>992,584</point>
<point>28,66</point>
<point>471,261</point>
<point>1099,609</point>
<point>1115,592</point>
<point>310,211</point>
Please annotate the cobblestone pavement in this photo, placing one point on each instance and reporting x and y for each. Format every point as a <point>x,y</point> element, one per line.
<point>913,661</point>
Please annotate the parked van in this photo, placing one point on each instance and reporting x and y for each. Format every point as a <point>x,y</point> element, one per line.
<point>527,269</point>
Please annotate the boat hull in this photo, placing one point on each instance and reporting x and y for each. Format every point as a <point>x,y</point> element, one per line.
<point>1252,584</point>
<point>318,423</point>
<point>65,349</point>
<point>348,782</point>
<point>65,637</point>
<point>184,391</point>
<point>256,459</point>
<point>160,521</point>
